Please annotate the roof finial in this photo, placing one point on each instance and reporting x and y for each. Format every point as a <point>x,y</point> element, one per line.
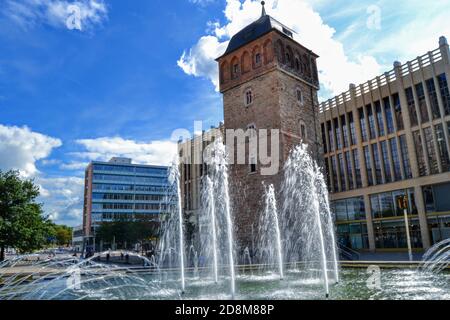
<point>263,14</point>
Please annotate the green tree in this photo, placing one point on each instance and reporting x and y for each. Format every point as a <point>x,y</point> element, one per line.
<point>22,224</point>
<point>127,231</point>
<point>62,234</point>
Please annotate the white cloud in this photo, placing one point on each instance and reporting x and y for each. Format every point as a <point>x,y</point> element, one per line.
<point>336,69</point>
<point>153,152</point>
<point>63,199</point>
<point>81,15</point>
<point>20,148</point>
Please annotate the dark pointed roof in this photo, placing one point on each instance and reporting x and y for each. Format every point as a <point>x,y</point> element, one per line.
<point>255,30</point>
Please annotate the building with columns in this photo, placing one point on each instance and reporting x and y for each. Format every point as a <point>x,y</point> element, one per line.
<point>389,138</point>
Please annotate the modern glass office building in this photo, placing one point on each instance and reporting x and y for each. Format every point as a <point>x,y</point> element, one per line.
<point>119,189</point>
<point>387,139</point>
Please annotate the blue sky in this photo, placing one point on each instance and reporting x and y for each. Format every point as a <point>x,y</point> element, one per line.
<point>130,72</point>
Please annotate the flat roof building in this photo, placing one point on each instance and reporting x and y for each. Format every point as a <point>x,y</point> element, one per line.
<point>389,138</point>
<point>119,189</point>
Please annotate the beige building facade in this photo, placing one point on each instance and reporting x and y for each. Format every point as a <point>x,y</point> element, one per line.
<point>386,139</point>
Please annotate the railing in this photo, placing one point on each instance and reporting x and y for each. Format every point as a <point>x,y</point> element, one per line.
<point>380,81</point>
<point>348,253</point>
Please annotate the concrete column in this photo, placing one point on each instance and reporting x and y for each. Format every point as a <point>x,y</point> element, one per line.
<point>406,121</point>
<point>370,229</point>
<point>420,203</point>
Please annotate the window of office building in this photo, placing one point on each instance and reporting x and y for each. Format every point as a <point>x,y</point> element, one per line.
<point>351,209</point>
<point>419,153</point>
<point>398,112</point>
<point>392,234</point>
<point>386,205</point>
<point>349,170</point>
<point>405,157</point>
<point>330,136</point>
<point>352,129</point>
<point>357,168</point>
<point>335,175</point>
<point>445,93</point>
<point>337,131</point>
<point>395,159</point>
<point>344,131</point>
<point>432,158</point>
<point>387,166</point>
<point>437,198</point>
<point>442,146</point>
<point>439,227</point>
<point>433,99</point>
<point>422,103</point>
<point>388,113</point>
<point>362,122</point>
<point>353,235</point>
<point>324,139</point>
<point>368,165</point>
<point>411,106</point>
<point>342,172</point>
<point>371,119</point>
<point>327,173</point>
<point>377,161</point>
<point>379,118</point>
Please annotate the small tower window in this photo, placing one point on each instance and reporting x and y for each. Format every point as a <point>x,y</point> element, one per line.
<point>297,64</point>
<point>248,97</point>
<point>303,131</point>
<point>258,58</point>
<point>300,98</point>
<point>235,70</point>
<point>288,58</point>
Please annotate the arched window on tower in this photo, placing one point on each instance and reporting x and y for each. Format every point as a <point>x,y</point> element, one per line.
<point>299,95</point>
<point>303,131</point>
<point>248,97</point>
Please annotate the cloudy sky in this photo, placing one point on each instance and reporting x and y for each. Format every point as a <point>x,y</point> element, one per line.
<point>91,79</point>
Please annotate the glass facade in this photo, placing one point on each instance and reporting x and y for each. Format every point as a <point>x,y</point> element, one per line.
<point>398,111</point>
<point>385,205</point>
<point>392,234</point>
<point>344,131</point>
<point>386,163</point>
<point>371,119</point>
<point>419,153</point>
<point>377,161</point>
<point>422,103</point>
<point>357,168</point>
<point>342,171</point>
<point>442,147</point>
<point>405,157</point>
<point>445,93</point>
<point>330,136</point>
<point>388,113</point>
<point>379,118</point>
<point>337,131</point>
<point>395,159</point>
<point>432,158</point>
<point>433,99</point>
<point>362,122</point>
<point>411,106</point>
<point>127,191</point>
<point>349,170</point>
<point>368,165</point>
<point>352,129</point>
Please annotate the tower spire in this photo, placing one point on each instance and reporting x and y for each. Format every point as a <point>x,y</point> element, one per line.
<point>263,9</point>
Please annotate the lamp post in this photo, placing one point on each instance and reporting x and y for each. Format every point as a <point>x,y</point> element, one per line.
<point>403,204</point>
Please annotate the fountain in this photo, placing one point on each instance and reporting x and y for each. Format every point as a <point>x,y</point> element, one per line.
<point>296,241</point>
<point>305,216</point>
<point>437,258</point>
<point>269,232</point>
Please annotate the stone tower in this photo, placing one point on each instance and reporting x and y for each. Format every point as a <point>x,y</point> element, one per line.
<point>268,81</point>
